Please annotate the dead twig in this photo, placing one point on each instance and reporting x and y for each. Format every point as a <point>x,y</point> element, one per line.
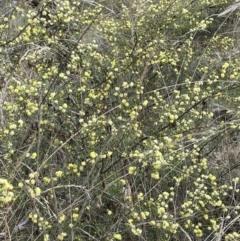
<point>17,228</point>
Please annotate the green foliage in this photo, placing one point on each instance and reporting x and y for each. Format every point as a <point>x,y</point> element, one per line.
<point>116,119</point>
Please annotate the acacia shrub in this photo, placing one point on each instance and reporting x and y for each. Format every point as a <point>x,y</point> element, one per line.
<point>108,128</point>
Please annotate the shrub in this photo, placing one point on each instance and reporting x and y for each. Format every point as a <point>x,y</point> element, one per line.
<point>109,128</point>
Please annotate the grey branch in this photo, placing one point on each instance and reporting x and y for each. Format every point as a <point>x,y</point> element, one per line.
<point>230,9</point>
<point>17,228</point>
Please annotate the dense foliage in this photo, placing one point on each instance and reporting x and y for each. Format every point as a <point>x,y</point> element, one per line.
<point>119,120</point>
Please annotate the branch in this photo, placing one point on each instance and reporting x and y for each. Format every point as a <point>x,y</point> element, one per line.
<point>17,228</point>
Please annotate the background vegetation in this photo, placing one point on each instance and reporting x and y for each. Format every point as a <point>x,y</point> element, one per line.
<point>119,120</point>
